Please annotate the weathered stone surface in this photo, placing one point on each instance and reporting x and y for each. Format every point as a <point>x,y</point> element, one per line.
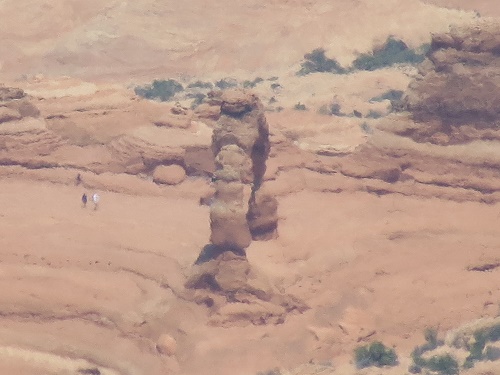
<point>8,114</point>
<point>263,216</point>
<point>10,93</point>
<point>457,97</point>
<point>240,143</point>
<point>166,345</point>
<point>169,174</point>
<point>240,211</point>
<point>229,226</point>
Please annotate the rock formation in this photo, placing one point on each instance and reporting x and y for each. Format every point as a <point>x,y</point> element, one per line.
<point>453,102</point>
<point>240,211</point>
<point>458,93</point>
<point>24,137</point>
<point>240,143</point>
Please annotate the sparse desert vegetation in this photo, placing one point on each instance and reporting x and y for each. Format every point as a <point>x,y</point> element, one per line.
<point>393,51</point>
<point>375,354</point>
<point>162,90</point>
<point>369,226</point>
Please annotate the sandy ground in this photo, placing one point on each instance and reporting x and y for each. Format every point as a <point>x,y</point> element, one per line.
<point>82,289</point>
<point>384,267</point>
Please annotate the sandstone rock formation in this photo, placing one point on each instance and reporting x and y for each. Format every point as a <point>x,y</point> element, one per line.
<point>457,97</point>
<point>169,174</point>
<point>240,211</point>
<point>444,141</point>
<point>24,137</point>
<point>241,146</point>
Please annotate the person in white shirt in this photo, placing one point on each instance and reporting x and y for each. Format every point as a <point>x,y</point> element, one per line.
<point>95,199</point>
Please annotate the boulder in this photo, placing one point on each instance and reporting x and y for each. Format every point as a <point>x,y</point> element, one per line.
<point>166,345</point>
<point>169,174</point>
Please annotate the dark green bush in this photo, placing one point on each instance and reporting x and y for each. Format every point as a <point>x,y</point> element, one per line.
<point>388,95</point>
<point>300,107</point>
<point>201,85</point>
<point>477,347</point>
<point>252,84</point>
<point>444,364</point>
<point>226,83</point>
<point>316,61</point>
<point>198,99</point>
<point>393,51</point>
<point>375,354</point>
<point>492,353</point>
<point>366,128</point>
<point>332,109</point>
<point>159,89</point>
<point>373,114</point>
<point>494,333</point>
<point>481,337</point>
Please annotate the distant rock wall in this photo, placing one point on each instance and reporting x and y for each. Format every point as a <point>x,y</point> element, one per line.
<point>458,92</point>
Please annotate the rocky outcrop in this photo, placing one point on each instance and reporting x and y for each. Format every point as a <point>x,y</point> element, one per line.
<point>169,174</point>
<point>457,97</point>
<point>10,93</point>
<point>235,293</point>
<point>454,102</point>
<point>24,137</point>
<point>240,211</point>
<point>143,149</point>
<point>241,146</point>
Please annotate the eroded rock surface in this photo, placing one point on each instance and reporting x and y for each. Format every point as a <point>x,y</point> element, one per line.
<point>240,211</point>
<point>458,93</point>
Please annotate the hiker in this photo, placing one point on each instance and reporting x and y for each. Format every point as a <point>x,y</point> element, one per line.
<point>78,179</point>
<point>95,199</point>
<point>84,200</point>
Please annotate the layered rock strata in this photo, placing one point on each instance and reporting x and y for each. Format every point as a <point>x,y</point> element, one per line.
<point>456,99</point>
<point>240,212</point>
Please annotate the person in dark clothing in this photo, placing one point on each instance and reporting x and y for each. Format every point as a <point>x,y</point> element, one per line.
<point>84,200</point>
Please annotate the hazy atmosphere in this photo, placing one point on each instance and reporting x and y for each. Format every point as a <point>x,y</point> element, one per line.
<point>289,187</point>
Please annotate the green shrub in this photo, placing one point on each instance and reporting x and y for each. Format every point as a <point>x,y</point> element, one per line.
<point>226,83</point>
<point>492,353</point>
<point>198,99</point>
<point>300,107</point>
<point>252,84</point>
<point>365,128</point>
<point>159,89</point>
<point>274,371</point>
<point>375,354</point>
<point>393,51</point>
<point>373,114</point>
<point>477,347</point>
<point>494,333</point>
<point>316,61</point>
<point>444,364</point>
<point>391,95</point>
<point>201,85</point>
<point>481,337</point>
<point>332,109</point>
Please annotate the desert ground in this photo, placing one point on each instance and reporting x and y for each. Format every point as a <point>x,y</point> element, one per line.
<point>383,231</point>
